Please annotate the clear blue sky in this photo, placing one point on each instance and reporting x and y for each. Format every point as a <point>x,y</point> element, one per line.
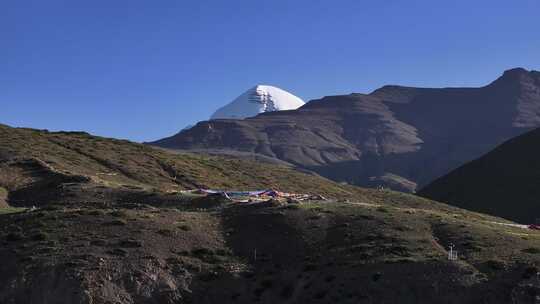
<point>143,70</point>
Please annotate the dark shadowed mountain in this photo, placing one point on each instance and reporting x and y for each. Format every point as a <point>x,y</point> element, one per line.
<point>401,137</point>
<point>504,182</point>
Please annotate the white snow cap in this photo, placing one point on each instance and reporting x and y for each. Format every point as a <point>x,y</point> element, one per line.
<point>259,99</point>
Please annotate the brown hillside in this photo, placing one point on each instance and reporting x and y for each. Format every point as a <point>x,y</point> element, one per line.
<point>39,166</point>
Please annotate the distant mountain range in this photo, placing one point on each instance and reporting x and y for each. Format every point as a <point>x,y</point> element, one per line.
<point>399,137</point>
<point>505,182</point>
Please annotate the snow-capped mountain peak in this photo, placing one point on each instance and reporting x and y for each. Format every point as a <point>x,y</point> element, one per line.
<point>259,99</point>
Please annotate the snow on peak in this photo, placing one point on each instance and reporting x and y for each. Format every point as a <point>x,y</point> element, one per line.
<point>259,99</point>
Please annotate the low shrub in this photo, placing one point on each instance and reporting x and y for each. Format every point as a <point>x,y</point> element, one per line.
<point>40,236</point>
<point>165,232</point>
<point>14,237</point>
<point>117,223</point>
<point>531,250</point>
<point>202,252</point>
<point>184,227</point>
<point>383,209</point>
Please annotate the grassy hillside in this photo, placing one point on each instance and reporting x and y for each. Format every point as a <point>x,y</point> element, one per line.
<point>110,228</point>
<point>29,157</point>
<point>385,248</point>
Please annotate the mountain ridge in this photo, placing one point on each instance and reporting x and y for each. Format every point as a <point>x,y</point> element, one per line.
<point>401,137</point>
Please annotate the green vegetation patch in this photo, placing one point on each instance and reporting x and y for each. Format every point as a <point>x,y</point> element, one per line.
<point>3,197</point>
<point>10,210</point>
<point>3,193</point>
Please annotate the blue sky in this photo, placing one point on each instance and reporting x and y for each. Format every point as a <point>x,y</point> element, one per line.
<point>143,70</point>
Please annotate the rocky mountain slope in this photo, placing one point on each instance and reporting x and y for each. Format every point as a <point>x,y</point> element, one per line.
<point>503,182</point>
<point>110,227</point>
<point>259,99</point>
<point>383,248</point>
<point>401,137</point>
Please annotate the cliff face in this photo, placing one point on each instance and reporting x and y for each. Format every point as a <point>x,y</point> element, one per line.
<point>396,136</point>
